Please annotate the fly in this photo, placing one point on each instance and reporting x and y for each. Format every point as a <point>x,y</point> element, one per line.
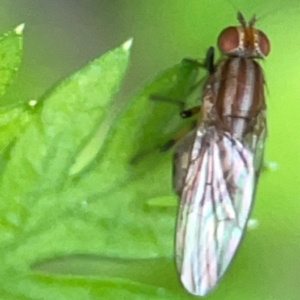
<point>217,165</point>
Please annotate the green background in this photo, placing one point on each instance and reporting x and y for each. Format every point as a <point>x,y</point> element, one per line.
<point>62,36</point>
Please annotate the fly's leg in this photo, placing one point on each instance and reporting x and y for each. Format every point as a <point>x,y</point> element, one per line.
<point>184,113</point>
<point>185,137</point>
<point>190,112</point>
<point>168,145</point>
<point>208,65</point>
<point>183,132</point>
<point>180,134</point>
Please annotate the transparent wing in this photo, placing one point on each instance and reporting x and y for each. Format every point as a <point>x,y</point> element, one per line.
<point>255,140</point>
<point>181,160</point>
<point>214,208</point>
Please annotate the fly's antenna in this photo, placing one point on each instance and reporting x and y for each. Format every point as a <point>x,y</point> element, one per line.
<point>241,19</point>
<point>252,21</point>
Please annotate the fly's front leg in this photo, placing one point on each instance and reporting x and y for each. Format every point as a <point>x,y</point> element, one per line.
<point>208,63</point>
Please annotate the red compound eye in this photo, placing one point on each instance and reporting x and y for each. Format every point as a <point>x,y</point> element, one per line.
<point>228,39</point>
<point>263,43</point>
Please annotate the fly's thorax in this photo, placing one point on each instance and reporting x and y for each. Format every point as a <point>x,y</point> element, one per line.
<point>237,94</point>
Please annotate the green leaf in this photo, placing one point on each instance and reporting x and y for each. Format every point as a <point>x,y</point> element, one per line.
<point>71,196</point>
<point>66,118</point>
<point>11,44</point>
<point>12,121</point>
<point>141,128</point>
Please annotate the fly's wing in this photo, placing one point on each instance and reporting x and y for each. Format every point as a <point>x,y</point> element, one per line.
<point>181,160</point>
<point>215,204</point>
<point>260,146</point>
<point>255,140</point>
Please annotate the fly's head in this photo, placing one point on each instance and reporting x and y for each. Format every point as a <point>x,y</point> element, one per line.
<point>244,40</point>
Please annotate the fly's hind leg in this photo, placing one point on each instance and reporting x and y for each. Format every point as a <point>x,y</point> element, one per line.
<point>167,145</point>
<point>180,135</point>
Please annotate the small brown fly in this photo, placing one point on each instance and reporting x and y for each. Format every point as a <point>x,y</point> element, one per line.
<point>217,165</point>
